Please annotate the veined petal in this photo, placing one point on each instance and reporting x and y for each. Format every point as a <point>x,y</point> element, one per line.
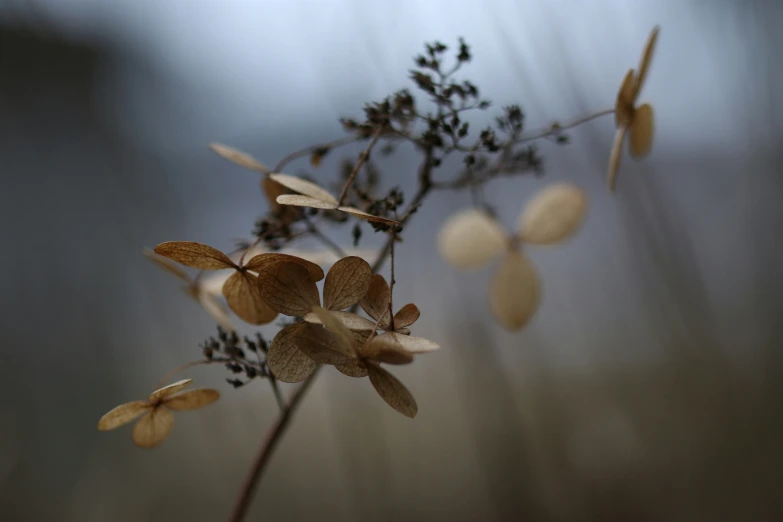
<point>286,361</point>
<point>406,316</point>
<point>122,414</point>
<point>195,255</point>
<point>344,336</point>
<point>323,346</point>
<point>392,391</point>
<point>346,283</point>
<point>191,399</point>
<point>243,296</point>
<point>376,301</point>
<point>153,428</point>
<point>288,288</point>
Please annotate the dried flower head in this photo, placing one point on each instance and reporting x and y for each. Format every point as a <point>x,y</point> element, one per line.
<point>471,239</point>
<point>157,421</point>
<point>636,121</point>
<point>241,289</point>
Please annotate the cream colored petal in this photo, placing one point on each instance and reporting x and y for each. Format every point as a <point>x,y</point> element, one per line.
<point>515,291</point>
<point>354,368</point>
<point>376,301</point>
<point>614,157</point>
<point>344,336</point>
<point>553,215</point>
<point>286,361</point>
<point>122,414</point>
<point>153,428</point>
<point>406,316</point>
<point>243,296</point>
<point>166,265</point>
<point>191,399</point>
<point>216,310</point>
<point>288,288</point>
<point>349,320</point>
<point>304,201</point>
<point>644,65</point>
<point>413,344</point>
<point>470,239</point>
<point>171,389</point>
<point>323,346</point>
<point>195,255</point>
<point>263,262</point>
<point>641,132</point>
<point>355,212</point>
<point>385,349</point>
<point>392,391</point>
<point>306,188</point>
<point>346,283</point>
<point>237,156</point>
<point>623,107</point>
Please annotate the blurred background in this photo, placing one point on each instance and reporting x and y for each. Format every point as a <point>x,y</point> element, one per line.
<point>647,388</point>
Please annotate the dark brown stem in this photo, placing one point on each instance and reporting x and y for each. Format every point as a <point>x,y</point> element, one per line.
<point>362,158</point>
<point>309,150</point>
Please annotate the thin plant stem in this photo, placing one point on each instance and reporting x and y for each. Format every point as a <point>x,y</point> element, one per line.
<point>278,395</point>
<point>362,158</point>
<point>309,150</point>
<point>556,128</point>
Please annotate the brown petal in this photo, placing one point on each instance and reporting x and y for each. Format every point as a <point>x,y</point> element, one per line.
<point>406,316</point>
<point>324,346</point>
<point>166,265</point>
<point>305,188</point>
<point>286,361</point>
<point>122,414</point>
<point>264,262</point>
<point>641,132</point>
<point>346,283</point>
<point>413,344</point>
<point>514,291</point>
<point>392,391</point>
<point>469,239</point>
<point>244,297</point>
<point>349,320</point>
<point>614,157</point>
<point>195,255</point>
<point>355,368</point>
<point>171,389</point>
<point>623,107</point>
<point>553,215</point>
<point>644,65</point>
<point>192,399</point>
<point>272,189</point>
<point>385,349</point>
<point>376,302</point>
<point>153,428</point>
<point>355,212</point>
<point>304,201</point>
<point>237,156</point>
<point>344,336</point>
<point>288,288</point>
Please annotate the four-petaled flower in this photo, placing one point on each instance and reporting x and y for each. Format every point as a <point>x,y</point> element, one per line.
<point>471,239</point>
<point>158,420</point>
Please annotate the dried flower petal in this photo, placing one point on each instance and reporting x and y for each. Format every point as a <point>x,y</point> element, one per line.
<point>644,65</point>
<point>263,262</point>
<point>305,188</point>
<point>346,283</point>
<point>515,291</point>
<point>641,132</point>
<point>385,349</point>
<point>349,320</point>
<point>392,391</point>
<point>304,201</point>
<point>287,288</point>
<point>614,157</point>
<point>272,189</point>
<point>553,215</point>
<point>413,344</point>
<point>171,389</point>
<point>237,156</point>
<point>286,361</point>
<point>195,255</point>
<point>122,414</point>
<point>166,265</point>
<point>367,217</point>
<point>192,399</point>
<point>469,239</point>
<point>153,428</point>
<point>324,346</point>
<point>623,107</point>
<point>344,336</point>
<point>376,301</point>
<point>244,298</point>
<point>355,369</point>
<point>406,316</point>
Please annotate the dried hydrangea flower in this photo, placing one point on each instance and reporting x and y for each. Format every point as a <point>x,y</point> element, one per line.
<point>336,345</point>
<point>290,291</point>
<point>636,121</point>
<point>241,289</point>
<point>470,239</point>
<point>312,196</point>
<point>157,421</point>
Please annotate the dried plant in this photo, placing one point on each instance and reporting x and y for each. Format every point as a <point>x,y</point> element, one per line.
<point>327,329</point>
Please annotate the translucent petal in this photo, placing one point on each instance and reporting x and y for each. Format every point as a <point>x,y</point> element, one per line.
<point>514,291</point>
<point>376,302</point>
<point>354,368</point>
<point>406,316</point>
<point>304,201</point>
<point>355,212</point>
<point>614,157</point>
<point>153,428</point>
<point>323,346</point>
<point>195,255</point>
<point>122,414</point>
<point>171,389</point>
<point>413,344</point>
<point>286,361</point>
<point>263,262</point>
<point>392,391</point>
<point>288,288</point>
<point>305,188</point>
<point>243,296</point>
<point>385,349</point>
<point>553,215</point>
<point>470,239</point>
<point>237,156</point>
<point>344,336</point>
<point>346,283</point>
<point>349,320</point>
<point>641,132</point>
<point>644,65</point>
<point>191,399</point>
<point>623,107</point>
